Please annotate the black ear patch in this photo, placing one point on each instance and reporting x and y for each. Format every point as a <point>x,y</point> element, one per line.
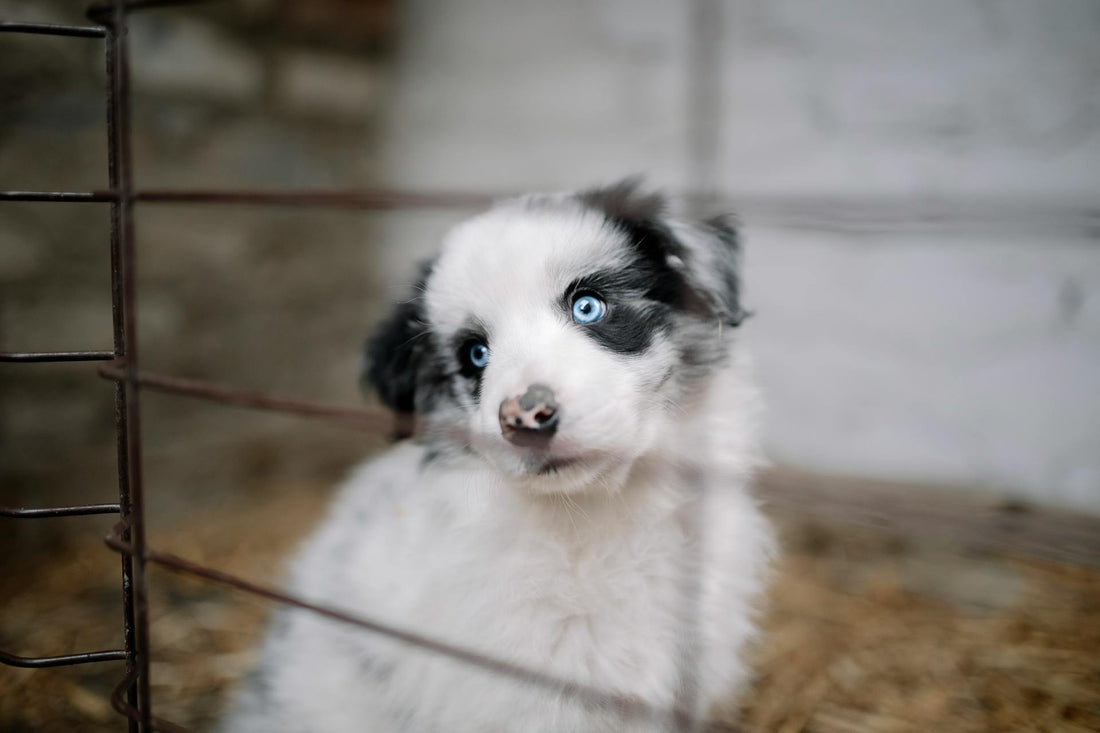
<point>694,269</point>
<point>398,351</point>
<point>640,216</point>
<point>625,202</point>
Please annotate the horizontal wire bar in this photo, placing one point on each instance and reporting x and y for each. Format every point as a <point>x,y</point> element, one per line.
<point>839,213</point>
<point>53,29</point>
<point>77,197</point>
<point>624,705</point>
<point>836,214</point>
<point>374,419</point>
<point>362,199</point>
<point>65,660</point>
<point>83,510</point>
<point>382,199</point>
<point>49,356</point>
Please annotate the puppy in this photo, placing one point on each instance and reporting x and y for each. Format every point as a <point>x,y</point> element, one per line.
<point>575,499</point>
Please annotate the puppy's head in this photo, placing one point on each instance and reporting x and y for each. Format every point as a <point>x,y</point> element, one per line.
<point>556,336</point>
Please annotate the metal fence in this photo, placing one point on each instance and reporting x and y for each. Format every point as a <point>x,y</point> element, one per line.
<point>120,364</point>
<point>1061,539</point>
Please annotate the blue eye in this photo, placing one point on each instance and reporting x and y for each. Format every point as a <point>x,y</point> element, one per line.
<point>478,355</point>
<point>588,309</point>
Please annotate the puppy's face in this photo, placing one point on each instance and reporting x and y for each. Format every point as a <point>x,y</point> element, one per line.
<point>555,336</point>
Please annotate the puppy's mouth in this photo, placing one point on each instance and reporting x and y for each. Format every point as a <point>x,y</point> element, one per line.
<point>546,472</point>
<point>548,463</point>
<point>550,466</point>
<point>545,459</point>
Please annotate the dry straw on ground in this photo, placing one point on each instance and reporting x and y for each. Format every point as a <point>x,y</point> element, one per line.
<point>866,631</point>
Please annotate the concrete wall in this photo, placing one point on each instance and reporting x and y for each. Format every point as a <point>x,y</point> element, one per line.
<point>919,183</point>
<point>226,95</point>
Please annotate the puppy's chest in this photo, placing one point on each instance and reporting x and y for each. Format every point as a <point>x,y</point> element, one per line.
<point>604,609</point>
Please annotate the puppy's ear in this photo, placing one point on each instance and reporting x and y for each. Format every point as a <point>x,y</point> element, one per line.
<point>398,349</point>
<point>705,255</point>
<point>711,257</point>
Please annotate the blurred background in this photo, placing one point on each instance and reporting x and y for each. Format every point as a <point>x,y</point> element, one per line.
<point>919,189</point>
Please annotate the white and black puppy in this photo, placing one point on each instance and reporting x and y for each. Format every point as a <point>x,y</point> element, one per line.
<point>575,502</point>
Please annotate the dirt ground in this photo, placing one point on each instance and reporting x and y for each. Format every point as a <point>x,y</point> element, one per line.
<point>866,631</point>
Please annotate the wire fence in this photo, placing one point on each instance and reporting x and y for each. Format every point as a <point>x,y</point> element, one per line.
<point>120,364</point>
<point>1063,540</point>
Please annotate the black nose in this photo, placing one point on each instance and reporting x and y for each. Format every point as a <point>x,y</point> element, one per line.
<point>531,418</point>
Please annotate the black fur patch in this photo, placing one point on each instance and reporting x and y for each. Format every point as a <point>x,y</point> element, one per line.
<point>624,201</point>
<point>637,298</point>
<point>628,329</point>
<point>640,216</point>
<point>642,293</point>
<point>402,364</point>
<point>464,340</point>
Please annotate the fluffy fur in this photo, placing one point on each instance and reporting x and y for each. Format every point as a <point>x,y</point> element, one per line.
<point>625,554</point>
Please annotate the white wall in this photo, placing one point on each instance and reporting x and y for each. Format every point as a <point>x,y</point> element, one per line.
<point>919,182</point>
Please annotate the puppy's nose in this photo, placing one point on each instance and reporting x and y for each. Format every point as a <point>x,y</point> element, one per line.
<point>530,418</point>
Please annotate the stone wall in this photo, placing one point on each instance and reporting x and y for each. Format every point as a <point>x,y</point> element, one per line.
<point>269,94</point>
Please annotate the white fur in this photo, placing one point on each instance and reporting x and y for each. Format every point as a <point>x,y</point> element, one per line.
<point>633,570</point>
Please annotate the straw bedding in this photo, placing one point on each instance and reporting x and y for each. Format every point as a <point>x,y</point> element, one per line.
<point>865,631</point>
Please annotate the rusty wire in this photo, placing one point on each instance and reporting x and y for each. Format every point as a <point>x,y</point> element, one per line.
<point>61,511</point>
<point>48,356</point>
<point>376,199</point>
<point>372,419</point>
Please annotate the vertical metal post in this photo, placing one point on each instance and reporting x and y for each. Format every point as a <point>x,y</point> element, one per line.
<point>128,404</point>
<point>121,402</point>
